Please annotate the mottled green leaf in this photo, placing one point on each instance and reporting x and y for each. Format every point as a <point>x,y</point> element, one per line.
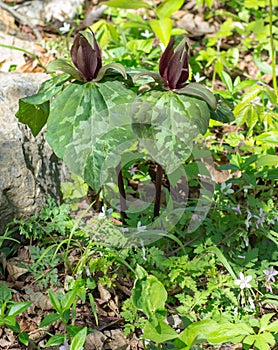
<point>86,122</point>
<point>270,137</point>
<point>166,124</point>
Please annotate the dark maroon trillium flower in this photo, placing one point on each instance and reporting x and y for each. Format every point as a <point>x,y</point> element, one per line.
<point>86,56</point>
<point>173,64</point>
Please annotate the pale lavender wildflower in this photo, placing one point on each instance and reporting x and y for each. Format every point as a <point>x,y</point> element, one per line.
<point>88,272</point>
<point>105,213</point>
<point>140,228</point>
<point>146,34</point>
<point>260,218</point>
<point>237,209</point>
<point>65,346</point>
<point>243,282</point>
<point>249,217</point>
<point>270,274</point>
<point>226,188</point>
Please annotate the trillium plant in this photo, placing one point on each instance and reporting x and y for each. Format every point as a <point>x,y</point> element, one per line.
<point>96,115</point>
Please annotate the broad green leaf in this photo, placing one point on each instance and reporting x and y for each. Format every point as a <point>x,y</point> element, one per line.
<point>149,296</point>
<point>64,66</point>
<point>18,308</point>
<point>264,321</point>
<point>272,327</point>
<point>5,293</point>
<point>267,160</point>
<point>195,332</point>
<point>79,339</point>
<point>35,116</point>
<point>270,137</point>
<point>162,29</point>
<point>136,45</point>
<point>23,337</point>
<point>49,319</point>
<point>159,334</point>
<point>55,301</point>
<point>87,123</point>
<point>227,331</point>
<point>261,341</point>
<point>263,66</point>
<point>55,340</point>
<point>167,7</point>
<point>11,322</point>
<point>123,4</point>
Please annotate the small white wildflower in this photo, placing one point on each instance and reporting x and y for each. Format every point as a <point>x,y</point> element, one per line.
<point>243,282</point>
<point>146,34</point>
<point>105,213</point>
<point>226,188</point>
<point>198,78</point>
<point>65,29</point>
<point>124,229</point>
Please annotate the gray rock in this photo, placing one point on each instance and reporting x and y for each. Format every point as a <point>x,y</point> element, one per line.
<point>29,170</point>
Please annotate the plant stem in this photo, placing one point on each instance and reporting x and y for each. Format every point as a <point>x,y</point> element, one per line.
<point>123,206</point>
<point>272,47</point>
<point>158,183</point>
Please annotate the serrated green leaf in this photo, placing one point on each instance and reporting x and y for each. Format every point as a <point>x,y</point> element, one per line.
<point>168,7</point>
<point>49,319</point>
<point>162,29</point>
<point>123,4</point>
<point>18,308</point>
<point>159,334</point>
<point>64,66</point>
<point>79,339</point>
<point>35,116</point>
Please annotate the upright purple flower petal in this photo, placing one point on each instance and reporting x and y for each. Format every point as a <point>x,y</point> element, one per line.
<point>86,58</point>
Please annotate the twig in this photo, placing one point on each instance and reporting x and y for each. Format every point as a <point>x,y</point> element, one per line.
<point>21,19</point>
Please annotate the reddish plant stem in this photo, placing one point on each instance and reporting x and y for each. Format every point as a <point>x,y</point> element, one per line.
<point>158,184</point>
<point>123,206</point>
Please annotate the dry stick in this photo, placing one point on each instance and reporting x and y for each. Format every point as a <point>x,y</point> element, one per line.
<point>158,184</point>
<point>21,19</point>
<point>123,206</point>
